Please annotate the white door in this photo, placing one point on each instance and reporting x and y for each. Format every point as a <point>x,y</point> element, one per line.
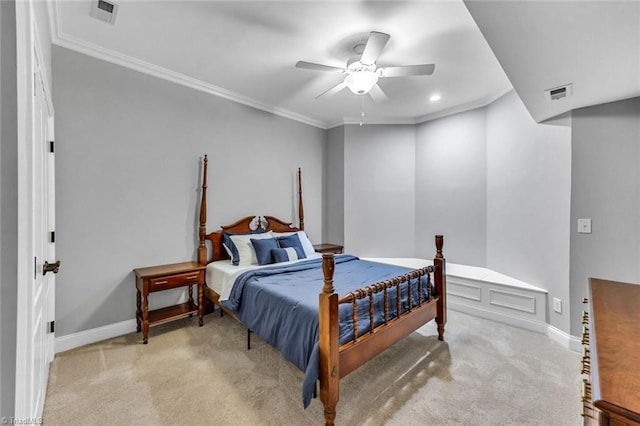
<point>36,290</point>
<point>44,247</point>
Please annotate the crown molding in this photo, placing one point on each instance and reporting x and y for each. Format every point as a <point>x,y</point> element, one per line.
<point>464,107</point>
<point>365,120</point>
<point>126,61</point>
<point>423,118</point>
<point>59,38</point>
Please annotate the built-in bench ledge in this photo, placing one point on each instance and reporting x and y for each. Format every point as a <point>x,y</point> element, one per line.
<point>489,294</point>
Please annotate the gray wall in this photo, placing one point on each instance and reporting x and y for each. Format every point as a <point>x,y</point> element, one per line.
<point>128,179</point>
<point>334,187</point>
<point>606,188</point>
<point>528,199</point>
<point>8,207</point>
<point>119,132</point>
<point>451,187</point>
<point>379,190</point>
<point>493,181</point>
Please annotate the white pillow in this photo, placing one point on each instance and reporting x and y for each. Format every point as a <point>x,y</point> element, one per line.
<point>304,240</point>
<point>246,253</point>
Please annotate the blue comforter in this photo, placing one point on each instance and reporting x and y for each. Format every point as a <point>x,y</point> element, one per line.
<point>280,304</point>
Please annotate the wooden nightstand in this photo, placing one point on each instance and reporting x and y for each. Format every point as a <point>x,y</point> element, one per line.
<point>328,248</point>
<point>165,277</point>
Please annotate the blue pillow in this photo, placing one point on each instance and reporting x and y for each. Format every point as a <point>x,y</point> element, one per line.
<point>292,241</point>
<point>231,248</point>
<point>263,249</point>
<point>287,254</point>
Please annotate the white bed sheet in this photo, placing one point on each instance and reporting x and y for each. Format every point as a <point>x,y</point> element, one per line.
<point>221,274</point>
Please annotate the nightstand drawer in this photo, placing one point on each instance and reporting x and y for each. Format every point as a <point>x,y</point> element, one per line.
<point>173,281</point>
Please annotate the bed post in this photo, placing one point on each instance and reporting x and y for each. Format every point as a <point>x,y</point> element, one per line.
<point>328,342</point>
<point>202,229</point>
<point>440,278</point>
<point>300,207</point>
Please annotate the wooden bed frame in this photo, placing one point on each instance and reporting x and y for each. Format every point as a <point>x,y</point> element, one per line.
<point>336,361</point>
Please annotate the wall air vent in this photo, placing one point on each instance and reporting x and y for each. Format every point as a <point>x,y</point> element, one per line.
<point>104,10</point>
<point>560,92</point>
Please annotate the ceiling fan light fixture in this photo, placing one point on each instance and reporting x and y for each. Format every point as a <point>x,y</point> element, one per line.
<point>361,82</point>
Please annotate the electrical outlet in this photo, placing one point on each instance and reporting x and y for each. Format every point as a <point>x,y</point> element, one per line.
<point>584,226</point>
<point>557,305</point>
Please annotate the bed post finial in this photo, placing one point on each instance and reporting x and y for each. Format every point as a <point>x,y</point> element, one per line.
<point>328,266</point>
<point>439,244</point>
<point>202,229</point>
<point>440,278</point>
<point>300,206</point>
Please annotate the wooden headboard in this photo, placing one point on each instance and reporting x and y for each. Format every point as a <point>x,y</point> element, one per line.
<point>244,225</point>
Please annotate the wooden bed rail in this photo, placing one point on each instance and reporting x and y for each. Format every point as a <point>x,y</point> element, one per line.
<point>337,361</point>
<point>384,286</point>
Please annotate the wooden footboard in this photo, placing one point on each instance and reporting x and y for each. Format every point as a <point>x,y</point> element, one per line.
<point>337,361</point>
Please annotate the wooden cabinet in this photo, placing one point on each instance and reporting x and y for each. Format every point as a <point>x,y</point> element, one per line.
<point>611,354</point>
<point>328,248</point>
<point>165,277</point>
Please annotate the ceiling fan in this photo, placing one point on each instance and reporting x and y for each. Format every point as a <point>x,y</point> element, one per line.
<point>362,73</point>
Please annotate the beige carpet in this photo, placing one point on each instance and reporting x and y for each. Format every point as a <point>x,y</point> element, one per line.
<point>484,374</point>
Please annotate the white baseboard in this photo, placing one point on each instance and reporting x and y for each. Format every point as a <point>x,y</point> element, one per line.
<point>86,337</point>
<point>568,341</point>
<point>524,323</point>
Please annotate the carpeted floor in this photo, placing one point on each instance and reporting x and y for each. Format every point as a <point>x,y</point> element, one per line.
<point>485,373</point>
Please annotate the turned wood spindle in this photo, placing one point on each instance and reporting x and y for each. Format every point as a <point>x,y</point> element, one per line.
<point>202,228</point>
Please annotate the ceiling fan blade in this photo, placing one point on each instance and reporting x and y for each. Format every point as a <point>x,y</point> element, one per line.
<point>377,94</point>
<point>318,67</point>
<point>373,48</point>
<point>333,90</point>
<point>402,71</point>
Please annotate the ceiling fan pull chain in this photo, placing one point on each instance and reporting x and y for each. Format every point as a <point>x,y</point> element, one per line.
<point>361,109</point>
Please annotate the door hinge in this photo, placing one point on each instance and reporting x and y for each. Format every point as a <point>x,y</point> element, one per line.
<point>53,236</point>
<point>35,267</point>
<point>52,327</point>
<point>51,146</point>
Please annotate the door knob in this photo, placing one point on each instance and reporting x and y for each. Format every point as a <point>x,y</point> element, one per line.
<point>50,267</point>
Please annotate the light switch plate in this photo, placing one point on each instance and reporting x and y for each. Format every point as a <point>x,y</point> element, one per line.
<point>584,226</point>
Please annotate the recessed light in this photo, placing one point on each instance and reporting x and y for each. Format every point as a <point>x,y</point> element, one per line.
<point>435,98</point>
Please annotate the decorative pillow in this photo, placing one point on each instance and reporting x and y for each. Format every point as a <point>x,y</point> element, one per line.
<point>230,247</point>
<point>291,241</point>
<point>228,250</point>
<point>263,248</point>
<point>242,246</point>
<point>304,240</point>
<point>287,254</point>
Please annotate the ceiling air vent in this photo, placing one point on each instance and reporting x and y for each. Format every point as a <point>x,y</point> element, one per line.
<point>560,92</point>
<point>105,11</point>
